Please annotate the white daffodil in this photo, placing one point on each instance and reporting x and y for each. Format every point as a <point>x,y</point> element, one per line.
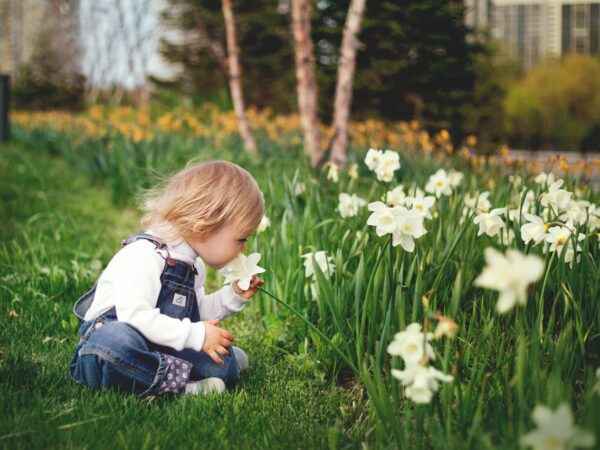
<point>242,268</point>
<point>412,344</point>
<point>373,157</point>
<point>559,236</point>
<point>510,275</point>
<point>534,230</point>
<point>544,178</point>
<point>455,178</point>
<point>333,172</point>
<point>556,198</point>
<point>409,227</point>
<point>325,264</point>
<point>420,381</point>
<point>439,183</point>
<point>576,211</point>
<point>396,196</point>
<point>389,162</point>
<point>556,430</point>
<point>421,204</point>
<point>264,224</point>
<point>479,202</point>
<point>350,204</point>
<point>594,217</point>
<point>490,223</point>
<point>404,225</point>
<point>384,218</point>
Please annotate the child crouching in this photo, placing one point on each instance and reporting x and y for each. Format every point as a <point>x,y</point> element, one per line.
<point>147,325</point>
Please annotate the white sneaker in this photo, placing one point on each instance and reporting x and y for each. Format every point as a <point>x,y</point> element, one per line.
<point>242,358</point>
<point>206,386</point>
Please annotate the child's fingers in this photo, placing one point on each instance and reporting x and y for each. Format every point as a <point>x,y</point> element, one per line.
<point>216,358</point>
<point>227,335</point>
<point>221,350</point>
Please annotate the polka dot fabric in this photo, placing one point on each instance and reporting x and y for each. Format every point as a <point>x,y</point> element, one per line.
<point>176,376</point>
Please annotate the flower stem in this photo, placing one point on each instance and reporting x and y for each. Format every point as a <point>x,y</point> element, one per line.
<point>314,328</point>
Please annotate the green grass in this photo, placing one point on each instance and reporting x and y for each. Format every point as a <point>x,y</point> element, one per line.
<point>64,229</point>
<point>58,230</point>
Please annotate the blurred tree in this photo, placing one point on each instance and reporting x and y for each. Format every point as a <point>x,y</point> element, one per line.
<point>305,74</point>
<point>416,61</point>
<point>557,104</point>
<point>234,72</point>
<point>263,34</point>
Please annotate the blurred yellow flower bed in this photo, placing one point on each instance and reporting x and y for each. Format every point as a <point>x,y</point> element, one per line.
<point>211,123</point>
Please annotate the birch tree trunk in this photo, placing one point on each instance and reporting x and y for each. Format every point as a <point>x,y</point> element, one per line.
<point>235,82</point>
<point>305,74</point>
<point>343,90</point>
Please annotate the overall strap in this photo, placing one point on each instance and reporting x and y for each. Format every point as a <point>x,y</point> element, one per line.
<point>160,247</point>
<point>135,237</point>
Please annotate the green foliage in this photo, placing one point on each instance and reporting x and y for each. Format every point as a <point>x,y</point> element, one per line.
<point>58,231</point>
<point>34,90</point>
<point>543,353</point>
<point>557,104</point>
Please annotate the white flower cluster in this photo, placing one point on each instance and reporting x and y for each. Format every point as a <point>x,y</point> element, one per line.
<point>443,183</point>
<point>419,378</point>
<point>383,163</point>
<point>405,225</point>
<point>555,226</point>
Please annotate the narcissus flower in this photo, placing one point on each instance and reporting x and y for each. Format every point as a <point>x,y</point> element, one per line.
<point>421,204</point>
<point>264,224</point>
<point>242,268</point>
<point>325,264</point>
<point>556,198</point>
<point>559,236</point>
<point>534,230</point>
<point>420,381</point>
<point>556,431</point>
<point>396,196</point>
<point>404,225</point>
<point>510,275</point>
<point>544,178</point>
<point>490,223</point>
<point>350,204</point>
<point>384,164</point>
<point>439,183</point>
<point>412,344</point>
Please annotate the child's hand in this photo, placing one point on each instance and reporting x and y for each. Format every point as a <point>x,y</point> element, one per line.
<point>255,283</point>
<point>216,341</point>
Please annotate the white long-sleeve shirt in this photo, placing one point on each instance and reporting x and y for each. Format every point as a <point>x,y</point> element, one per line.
<point>131,283</point>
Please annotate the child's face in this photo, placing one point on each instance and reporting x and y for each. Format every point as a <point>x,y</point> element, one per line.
<point>221,246</point>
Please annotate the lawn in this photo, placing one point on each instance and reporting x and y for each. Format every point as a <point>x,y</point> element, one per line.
<point>58,230</point>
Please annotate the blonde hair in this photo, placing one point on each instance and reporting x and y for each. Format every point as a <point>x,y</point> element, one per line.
<point>198,200</point>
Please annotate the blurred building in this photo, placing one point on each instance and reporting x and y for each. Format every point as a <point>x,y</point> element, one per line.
<point>530,30</point>
<point>35,30</point>
<point>19,27</point>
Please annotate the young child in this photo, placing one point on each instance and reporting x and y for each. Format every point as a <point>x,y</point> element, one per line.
<point>147,325</point>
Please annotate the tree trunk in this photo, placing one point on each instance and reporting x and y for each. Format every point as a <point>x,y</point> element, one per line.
<point>235,82</point>
<point>343,90</point>
<point>305,74</point>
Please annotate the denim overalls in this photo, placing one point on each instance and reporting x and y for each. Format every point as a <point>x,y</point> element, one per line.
<point>116,354</point>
